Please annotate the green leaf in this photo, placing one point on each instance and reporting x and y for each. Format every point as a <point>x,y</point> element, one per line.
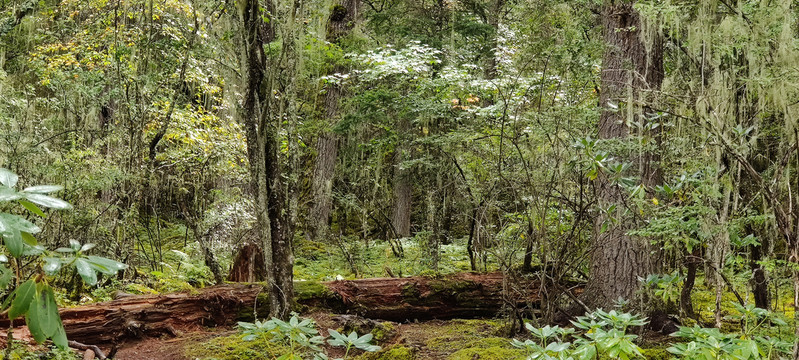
<point>43,189</point>
<point>86,272</point>
<point>32,320</point>
<point>14,243</point>
<point>10,222</point>
<point>60,336</point>
<point>24,296</point>
<point>47,310</point>
<point>32,208</point>
<point>9,194</point>
<point>51,265</point>
<point>8,178</point>
<point>5,276</point>
<point>104,265</point>
<point>29,239</point>
<point>48,201</point>
<point>74,244</point>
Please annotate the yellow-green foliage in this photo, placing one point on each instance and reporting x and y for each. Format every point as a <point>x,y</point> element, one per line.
<point>392,353</point>
<point>234,348</point>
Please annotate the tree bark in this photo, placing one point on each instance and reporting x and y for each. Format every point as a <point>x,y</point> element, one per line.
<point>403,193</point>
<point>343,17</point>
<point>629,68</point>
<point>465,295</point>
<point>261,117</point>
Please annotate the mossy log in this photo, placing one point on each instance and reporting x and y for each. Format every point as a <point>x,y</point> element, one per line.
<point>463,295</point>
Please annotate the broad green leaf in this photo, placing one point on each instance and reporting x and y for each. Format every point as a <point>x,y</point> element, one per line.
<point>104,265</point>
<point>74,244</point>
<point>51,265</point>
<point>32,208</point>
<point>32,320</point>
<point>48,201</point>
<point>8,194</point>
<point>86,247</point>
<point>14,243</point>
<point>5,276</point>
<point>43,189</point>
<point>47,310</point>
<point>29,239</point>
<point>60,336</point>
<point>86,272</point>
<point>10,222</point>
<point>8,178</point>
<point>23,297</point>
<point>33,250</point>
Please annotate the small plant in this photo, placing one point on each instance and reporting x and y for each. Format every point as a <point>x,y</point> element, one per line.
<point>302,337</point>
<point>712,344</point>
<point>352,340</point>
<point>604,336</point>
<point>34,298</point>
<point>665,287</point>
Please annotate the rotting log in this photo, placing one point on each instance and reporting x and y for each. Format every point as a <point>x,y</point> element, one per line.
<point>464,295</point>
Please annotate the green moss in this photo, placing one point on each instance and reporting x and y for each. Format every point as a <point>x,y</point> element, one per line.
<point>410,293</point>
<point>383,331</point>
<point>234,348</point>
<point>393,353</point>
<point>306,290</point>
<point>246,313</point>
<point>459,334</point>
<point>656,354</point>
<point>492,353</point>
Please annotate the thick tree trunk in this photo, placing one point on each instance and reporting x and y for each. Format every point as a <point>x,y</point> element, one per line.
<point>342,20</point>
<point>465,295</point>
<point>629,69</point>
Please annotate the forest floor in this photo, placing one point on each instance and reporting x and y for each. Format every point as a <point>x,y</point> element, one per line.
<point>435,339</point>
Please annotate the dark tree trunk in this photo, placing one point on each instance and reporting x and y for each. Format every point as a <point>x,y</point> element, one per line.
<point>692,264</point>
<point>628,67</point>
<point>258,113</point>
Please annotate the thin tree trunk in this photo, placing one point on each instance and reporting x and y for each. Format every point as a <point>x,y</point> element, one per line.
<point>403,192</point>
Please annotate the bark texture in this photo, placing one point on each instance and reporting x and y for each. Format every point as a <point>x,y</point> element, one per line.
<point>630,69</point>
<point>248,266</point>
<point>342,20</point>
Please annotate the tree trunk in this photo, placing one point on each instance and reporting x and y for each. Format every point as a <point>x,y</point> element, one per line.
<point>248,266</point>
<point>464,295</point>
<point>342,20</point>
<point>403,193</point>
<point>629,68</point>
<point>261,117</point>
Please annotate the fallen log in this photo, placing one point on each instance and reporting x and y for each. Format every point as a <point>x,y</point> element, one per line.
<point>464,295</point>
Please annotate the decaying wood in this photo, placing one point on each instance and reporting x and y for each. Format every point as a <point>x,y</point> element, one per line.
<point>92,351</point>
<point>464,295</point>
